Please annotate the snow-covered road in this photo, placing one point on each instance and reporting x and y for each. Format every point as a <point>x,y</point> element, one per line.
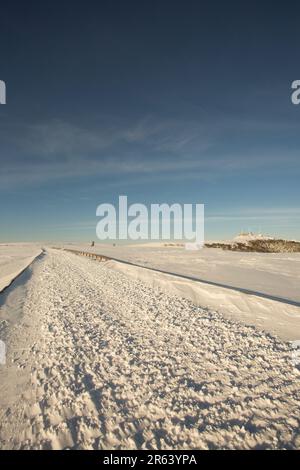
<point>101,360</point>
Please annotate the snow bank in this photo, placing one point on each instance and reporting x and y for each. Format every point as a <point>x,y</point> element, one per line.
<point>14,258</point>
<point>274,317</point>
<point>273,274</point>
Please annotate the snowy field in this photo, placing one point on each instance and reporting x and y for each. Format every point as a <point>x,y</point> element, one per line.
<point>275,274</point>
<point>100,360</point>
<point>270,275</point>
<point>14,258</point>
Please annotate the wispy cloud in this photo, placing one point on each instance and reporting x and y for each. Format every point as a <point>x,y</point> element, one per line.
<point>58,149</point>
<point>256,213</point>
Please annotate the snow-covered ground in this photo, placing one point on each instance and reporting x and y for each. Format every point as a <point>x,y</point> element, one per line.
<point>275,274</point>
<point>14,258</point>
<point>279,318</point>
<point>101,360</point>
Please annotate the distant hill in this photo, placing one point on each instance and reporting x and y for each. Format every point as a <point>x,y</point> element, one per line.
<point>251,242</point>
<point>244,237</point>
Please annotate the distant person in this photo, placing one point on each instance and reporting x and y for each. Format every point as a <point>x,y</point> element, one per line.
<point>92,244</point>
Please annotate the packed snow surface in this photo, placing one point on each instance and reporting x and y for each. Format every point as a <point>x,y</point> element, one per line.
<point>100,360</point>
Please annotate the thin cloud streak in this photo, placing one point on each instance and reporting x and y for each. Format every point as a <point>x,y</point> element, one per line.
<point>58,150</point>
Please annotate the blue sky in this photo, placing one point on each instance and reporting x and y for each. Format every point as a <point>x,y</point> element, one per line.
<point>161,101</point>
